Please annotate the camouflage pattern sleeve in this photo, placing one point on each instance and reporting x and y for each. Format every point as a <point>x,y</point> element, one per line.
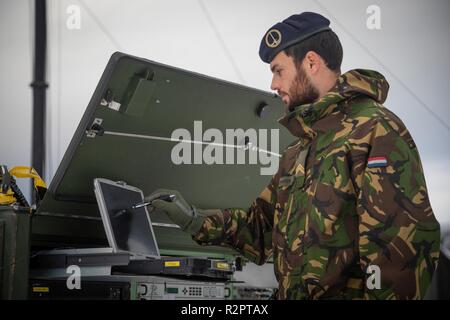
<point>247,231</point>
<point>398,232</point>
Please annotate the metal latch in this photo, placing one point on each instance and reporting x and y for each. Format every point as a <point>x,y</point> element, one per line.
<point>95,129</point>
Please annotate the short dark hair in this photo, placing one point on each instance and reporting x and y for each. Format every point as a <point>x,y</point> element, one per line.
<point>326,44</point>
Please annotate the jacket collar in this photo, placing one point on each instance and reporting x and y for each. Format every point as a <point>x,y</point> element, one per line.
<point>356,82</point>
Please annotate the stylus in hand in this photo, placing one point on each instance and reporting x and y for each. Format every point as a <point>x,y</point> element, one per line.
<point>170,198</point>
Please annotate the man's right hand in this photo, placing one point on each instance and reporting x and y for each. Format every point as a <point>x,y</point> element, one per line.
<point>178,210</point>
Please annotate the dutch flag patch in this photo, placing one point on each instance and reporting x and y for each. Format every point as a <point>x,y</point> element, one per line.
<point>377,162</point>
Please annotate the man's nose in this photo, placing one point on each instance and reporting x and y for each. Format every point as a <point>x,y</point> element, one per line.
<point>274,85</point>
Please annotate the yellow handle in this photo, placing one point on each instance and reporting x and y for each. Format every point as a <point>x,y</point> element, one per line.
<point>28,172</point>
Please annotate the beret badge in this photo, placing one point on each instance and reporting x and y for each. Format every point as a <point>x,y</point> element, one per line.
<point>273,38</point>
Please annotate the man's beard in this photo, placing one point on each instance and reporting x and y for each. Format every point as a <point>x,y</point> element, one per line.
<point>302,90</point>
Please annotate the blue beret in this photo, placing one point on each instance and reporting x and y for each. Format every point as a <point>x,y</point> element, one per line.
<point>292,30</point>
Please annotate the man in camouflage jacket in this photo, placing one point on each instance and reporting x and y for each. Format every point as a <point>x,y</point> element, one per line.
<point>349,199</point>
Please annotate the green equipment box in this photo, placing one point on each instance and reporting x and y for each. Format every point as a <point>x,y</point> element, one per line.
<point>14,253</point>
<point>155,126</point>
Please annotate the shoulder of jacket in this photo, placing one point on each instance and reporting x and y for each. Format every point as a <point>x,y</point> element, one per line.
<point>366,112</point>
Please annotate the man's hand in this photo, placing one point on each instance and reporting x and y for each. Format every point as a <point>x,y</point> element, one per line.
<point>178,210</point>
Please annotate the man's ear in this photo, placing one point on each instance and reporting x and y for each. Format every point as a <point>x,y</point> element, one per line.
<point>312,62</point>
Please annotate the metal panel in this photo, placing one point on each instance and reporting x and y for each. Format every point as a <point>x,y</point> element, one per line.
<point>138,104</point>
<point>15,244</point>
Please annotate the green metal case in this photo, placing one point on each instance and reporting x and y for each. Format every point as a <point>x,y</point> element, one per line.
<point>14,253</point>
<point>126,134</point>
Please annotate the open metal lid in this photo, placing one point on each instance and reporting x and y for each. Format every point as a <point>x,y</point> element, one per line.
<point>132,131</point>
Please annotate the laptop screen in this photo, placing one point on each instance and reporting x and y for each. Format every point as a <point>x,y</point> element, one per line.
<point>127,229</point>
